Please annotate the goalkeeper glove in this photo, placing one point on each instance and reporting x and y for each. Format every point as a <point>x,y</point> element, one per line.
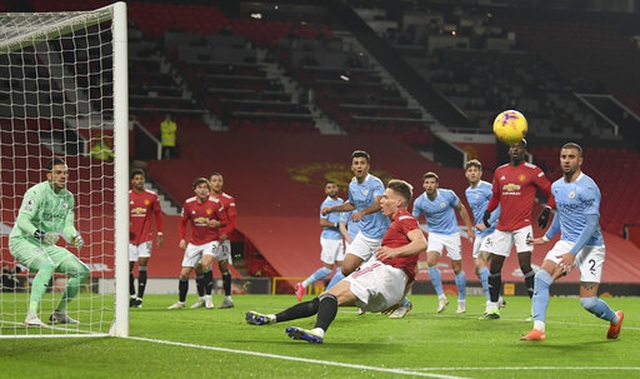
<point>485,218</point>
<point>50,238</point>
<point>77,241</point>
<point>543,218</point>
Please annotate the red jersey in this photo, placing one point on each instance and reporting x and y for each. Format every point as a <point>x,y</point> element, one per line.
<point>143,207</point>
<point>228,213</point>
<point>514,188</point>
<point>199,215</point>
<point>396,236</point>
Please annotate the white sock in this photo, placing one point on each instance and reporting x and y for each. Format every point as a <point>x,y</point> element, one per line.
<point>539,325</point>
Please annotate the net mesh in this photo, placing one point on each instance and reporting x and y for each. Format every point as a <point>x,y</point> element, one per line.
<point>56,100</point>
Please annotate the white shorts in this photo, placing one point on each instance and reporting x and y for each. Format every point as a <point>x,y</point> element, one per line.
<point>142,250</point>
<point>451,242</point>
<point>193,253</point>
<point>482,243</point>
<point>363,246</point>
<point>503,241</point>
<point>332,251</point>
<point>222,251</point>
<point>377,286</point>
<point>589,260</point>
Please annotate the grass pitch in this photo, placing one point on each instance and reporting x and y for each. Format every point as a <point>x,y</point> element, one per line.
<point>218,343</point>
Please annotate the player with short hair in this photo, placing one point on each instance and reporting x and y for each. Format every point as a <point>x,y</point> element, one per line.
<point>514,190</point>
<point>46,214</point>
<point>223,252</point>
<point>203,212</point>
<point>378,285</point>
<point>438,205</point>
<point>581,245</point>
<point>330,240</point>
<point>478,195</point>
<point>144,207</point>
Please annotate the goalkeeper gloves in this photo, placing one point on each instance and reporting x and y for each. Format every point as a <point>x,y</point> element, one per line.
<point>543,218</point>
<point>50,238</point>
<point>77,241</point>
<point>485,218</point>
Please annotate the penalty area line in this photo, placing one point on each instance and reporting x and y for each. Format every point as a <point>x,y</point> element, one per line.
<point>297,359</point>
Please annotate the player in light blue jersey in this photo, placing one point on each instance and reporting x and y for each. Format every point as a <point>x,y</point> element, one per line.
<point>349,229</point>
<point>438,205</point>
<point>581,245</point>
<point>46,214</point>
<point>330,240</point>
<point>478,195</point>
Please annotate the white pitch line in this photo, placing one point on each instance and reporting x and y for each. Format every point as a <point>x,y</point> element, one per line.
<point>297,359</point>
<point>531,368</point>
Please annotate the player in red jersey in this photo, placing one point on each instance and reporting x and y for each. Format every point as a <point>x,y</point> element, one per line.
<point>144,207</point>
<point>378,285</point>
<point>203,212</point>
<point>514,188</point>
<point>223,253</point>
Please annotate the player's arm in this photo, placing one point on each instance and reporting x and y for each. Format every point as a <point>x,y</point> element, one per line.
<point>182,229</point>
<point>345,207</point>
<point>551,232</point>
<point>462,210</point>
<point>157,209</point>
<point>373,208</point>
<point>416,245</point>
<point>324,222</point>
<point>28,209</point>
<point>68,230</point>
<point>231,219</point>
<point>545,187</point>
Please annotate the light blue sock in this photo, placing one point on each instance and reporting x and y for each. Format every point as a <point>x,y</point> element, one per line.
<point>405,302</point>
<point>540,299</point>
<point>598,307</point>
<point>436,280</point>
<point>336,278</point>
<point>461,282</point>
<point>483,274</point>
<point>319,274</point>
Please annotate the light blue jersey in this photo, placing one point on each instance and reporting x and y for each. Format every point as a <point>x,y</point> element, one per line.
<point>439,212</point>
<point>362,196</point>
<point>478,199</point>
<point>574,202</point>
<point>353,227</point>
<point>334,218</point>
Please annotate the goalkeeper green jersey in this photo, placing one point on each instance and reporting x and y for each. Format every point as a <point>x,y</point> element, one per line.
<point>43,209</point>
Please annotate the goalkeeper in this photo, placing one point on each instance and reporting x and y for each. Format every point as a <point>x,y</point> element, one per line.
<point>46,214</point>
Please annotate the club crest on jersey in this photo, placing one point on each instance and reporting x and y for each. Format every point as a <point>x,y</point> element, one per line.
<point>147,202</point>
<point>443,205</point>
<point>572,194</point>
<point>522,177</point>
<point>65,205</point>
<point>209,211</point>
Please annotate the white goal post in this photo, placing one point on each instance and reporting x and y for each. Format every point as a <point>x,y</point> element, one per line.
<point>64,94</point>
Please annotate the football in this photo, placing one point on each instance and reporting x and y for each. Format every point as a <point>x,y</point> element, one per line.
<point>510,127</point>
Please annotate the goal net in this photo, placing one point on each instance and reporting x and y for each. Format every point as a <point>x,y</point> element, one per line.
<point>59,72</point>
